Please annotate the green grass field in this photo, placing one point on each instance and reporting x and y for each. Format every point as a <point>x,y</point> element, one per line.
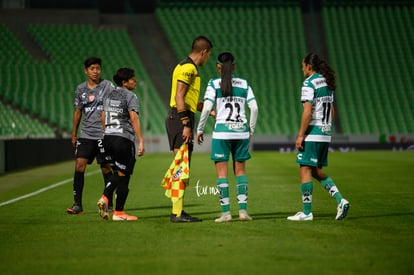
<point>38,237</point>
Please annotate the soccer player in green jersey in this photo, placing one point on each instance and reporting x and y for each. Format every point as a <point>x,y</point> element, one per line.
<point>314,135</point>
<point>231,135</point>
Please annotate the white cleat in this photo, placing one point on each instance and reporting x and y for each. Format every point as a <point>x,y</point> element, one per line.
<point>225,217</point>
<point>300,216</point>
<point>342,209</point>
<point>243,216</point>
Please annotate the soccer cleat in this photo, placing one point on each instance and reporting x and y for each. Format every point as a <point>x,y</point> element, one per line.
<point>122,216</point>
<point>300,216</point>
<point>75,209</point>
<point>103,207</point>
<point>243,216</point>
<point>342,209</point>
<point>225,217</point>
<point>184,217</point>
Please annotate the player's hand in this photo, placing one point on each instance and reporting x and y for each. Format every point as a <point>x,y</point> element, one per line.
<point>74,139</point>
<point>141,150</point>
<point>299,142</point>
<point>200,139</point>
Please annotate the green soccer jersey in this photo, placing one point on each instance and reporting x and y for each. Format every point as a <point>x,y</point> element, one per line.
<point>316,91</point>
<point>231,120</point>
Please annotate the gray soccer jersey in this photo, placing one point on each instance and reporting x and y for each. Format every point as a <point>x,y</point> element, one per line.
<point>118,103</point>
<point>90,101</point>
<point>231,121</point>
<point>316,91</point>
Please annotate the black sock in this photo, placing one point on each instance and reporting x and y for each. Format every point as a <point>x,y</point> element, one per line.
<point>122,193</point>
<point>107,178</point>
<point>78,182</point>
<point>110,187</point>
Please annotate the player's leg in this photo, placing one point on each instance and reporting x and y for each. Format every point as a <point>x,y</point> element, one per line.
<point>84,155</point>
<point>124,155</point>
<point>220,152</point>
<point>103,158</point>
<point>305,158</point>
<point>240,152</point>
<point>327,183</point>
<point>223,188</point>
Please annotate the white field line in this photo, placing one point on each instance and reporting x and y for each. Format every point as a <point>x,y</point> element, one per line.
<point>46,189</point>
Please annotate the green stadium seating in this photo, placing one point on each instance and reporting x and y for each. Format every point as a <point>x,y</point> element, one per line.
<point>14,124</point>
<point>371,49</point>
<point>268,43</point>
<point>47,89</point>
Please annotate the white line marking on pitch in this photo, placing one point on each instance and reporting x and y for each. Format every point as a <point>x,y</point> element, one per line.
<point>45,189</point>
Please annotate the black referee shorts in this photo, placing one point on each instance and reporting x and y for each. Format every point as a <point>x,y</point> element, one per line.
<point>174,128</point>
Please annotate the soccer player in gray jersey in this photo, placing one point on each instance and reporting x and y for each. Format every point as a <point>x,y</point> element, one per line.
<point>314,135</point>
<point>231,135</point>
<point>88,105</point>
<point>122,130</point>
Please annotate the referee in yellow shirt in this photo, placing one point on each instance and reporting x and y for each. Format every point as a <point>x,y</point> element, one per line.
<point>184,102</point>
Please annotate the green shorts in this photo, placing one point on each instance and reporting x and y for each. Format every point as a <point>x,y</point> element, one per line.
<point>313,154</point>
<point>222,148</point>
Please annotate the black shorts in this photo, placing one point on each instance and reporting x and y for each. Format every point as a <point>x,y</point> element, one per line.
<point>120,152</point>
<point>174,128</point>
<point>90,149</point>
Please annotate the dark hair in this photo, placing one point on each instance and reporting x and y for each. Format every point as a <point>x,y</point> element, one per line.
<point>226,60</point>
<point>321,66</point>
<point>91,61</point>
<point>123,74</point>
<point>201,43</point>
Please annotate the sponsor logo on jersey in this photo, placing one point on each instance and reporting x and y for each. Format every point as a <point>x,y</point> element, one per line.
<point>235,126</point>
<point>90,109</point>
<point>326,129</point>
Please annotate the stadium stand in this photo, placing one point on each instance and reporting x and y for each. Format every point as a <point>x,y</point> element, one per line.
<point>268,53</point>
<point>371,49</point>
<point>369,46</point>
<point>47,89</point>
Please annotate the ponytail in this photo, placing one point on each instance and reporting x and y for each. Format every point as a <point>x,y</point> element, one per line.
<point>226,60</point>
<point>320,65</point>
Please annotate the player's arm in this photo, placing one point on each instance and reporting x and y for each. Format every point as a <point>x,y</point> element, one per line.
<point>200,109</point>
<point>306,117</point>
<point>137,129</point>
<point>254,111</point>
<point>77,115</point>
<point>207,106</point>
<point>103,119</point>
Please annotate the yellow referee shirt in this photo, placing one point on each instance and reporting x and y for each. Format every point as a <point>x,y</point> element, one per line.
<point>186,71</point>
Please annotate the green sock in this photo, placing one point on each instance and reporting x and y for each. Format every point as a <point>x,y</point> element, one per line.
<point>241,182</point>
<point>223,187</point>
<point>307,189</point>
<point>330,186</point>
